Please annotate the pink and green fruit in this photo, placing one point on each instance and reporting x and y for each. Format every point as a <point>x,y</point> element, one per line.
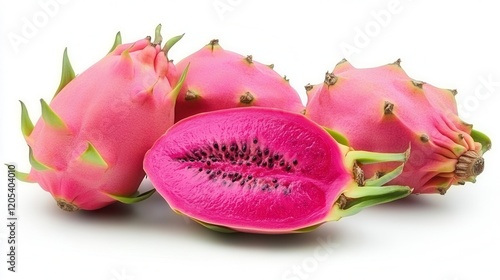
<point>88,146</point>
<point>264,170</point>
<point>382,109</point>
<point>220,79</point>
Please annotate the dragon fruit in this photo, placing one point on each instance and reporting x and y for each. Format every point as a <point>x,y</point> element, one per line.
<point>382,109</point>
<point>221,79</point>
<point>264,170</point>
<point>88,146</point>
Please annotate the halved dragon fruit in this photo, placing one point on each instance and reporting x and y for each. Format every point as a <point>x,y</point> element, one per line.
<point>264,170</point>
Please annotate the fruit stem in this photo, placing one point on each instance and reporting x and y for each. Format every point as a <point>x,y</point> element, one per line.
<point>66,206</point>
<point>469,164</point>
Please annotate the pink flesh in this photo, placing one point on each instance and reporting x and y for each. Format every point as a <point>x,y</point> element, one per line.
<point>221,77</point>
<point>108,105</point>
<point>313,184</point>
<point>354,107</point>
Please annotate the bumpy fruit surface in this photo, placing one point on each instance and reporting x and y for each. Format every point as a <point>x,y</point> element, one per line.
<point>220,79</point>
<point>88,146</point>
<point>382,109</point>
<point>264,170</point>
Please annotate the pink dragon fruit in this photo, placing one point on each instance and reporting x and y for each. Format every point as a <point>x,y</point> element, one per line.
<point>382,109</point>
<point>264,170</point>
<point>88,146</point>
<point>221,79</point>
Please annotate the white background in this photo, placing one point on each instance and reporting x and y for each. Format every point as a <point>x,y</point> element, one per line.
<point>448,44</point>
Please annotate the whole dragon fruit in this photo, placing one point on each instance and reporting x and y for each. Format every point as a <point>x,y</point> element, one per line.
<point>382,109</point>
<point>88,146</point>
<point>220,79</point>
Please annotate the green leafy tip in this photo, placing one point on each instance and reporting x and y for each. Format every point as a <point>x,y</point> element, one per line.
<point>481,138</point>
<point>50,117</point>
<point>357,198</point>
<point>133,199</point>
<point>21,176</point>
<point>36,164</point>
<point>215,227</point>
<point>175,91</point>
<point>364,157</point>
<point>68,74</point>
<point>93,157</point>
<point>158,37</point>
<point>341,139</point>
<point>117,42</point>
<point>26,124</point>
<point>171,42</point>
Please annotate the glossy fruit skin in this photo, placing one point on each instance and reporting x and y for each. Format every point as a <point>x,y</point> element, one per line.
<point>87,148</point>
<point>382,109</point>
<point>221,79</point>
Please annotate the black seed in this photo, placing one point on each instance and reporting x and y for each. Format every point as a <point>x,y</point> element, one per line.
<point>241,154</point>
<point>223,147</point>
<point>259,153</point>
<point>275,181</point>
<point>201,169</point>
<point>288,168</point>
<point>212,176</point>
<point>254,158</point>
<point>209,171</point>
<point>191,159</point>
<point>224,175</point>
<point>295,162</point>
<point>216,146</point>
<point>233,162</point>
<point>247,157</point>
<point>235,178</point>
<point>265,187</point>
<point>248,164</point>
<point>233,148</point>
<point>282,162</point>
<point>271,165</point>
<point>259,162</point>
<point>231,158</point>
<point>219,172</point>
<point>244,147</point>
<point>242,182</point>
<point>250,177</point>
<point>266,151</point>
<point>264,164</point>
<point>209,162</point>
<point>276,186</point>
<point>270,160</point>
<point>203,153</point>
<point>230,175</point>
<point>276,157</point>
<point>226,154</point>
<point>255,141</point>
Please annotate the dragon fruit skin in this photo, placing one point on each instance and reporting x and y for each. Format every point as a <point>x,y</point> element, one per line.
<point>220,79</point>
<point>382,109</point>
<point>87,148</point>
